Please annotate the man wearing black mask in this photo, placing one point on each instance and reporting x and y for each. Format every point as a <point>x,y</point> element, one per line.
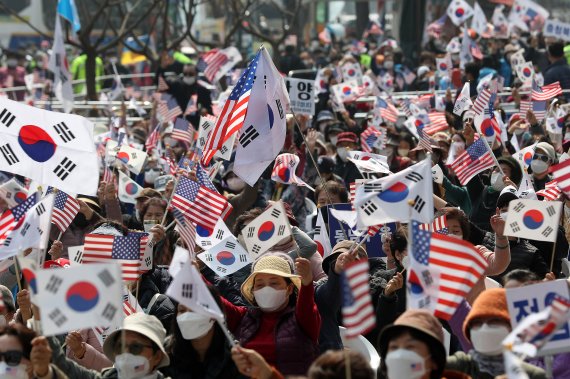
<point>185,87</point>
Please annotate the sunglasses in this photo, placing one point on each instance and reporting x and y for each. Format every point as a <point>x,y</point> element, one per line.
<point>134,348</point>
<point>542,157</point>
<point>12,357</point>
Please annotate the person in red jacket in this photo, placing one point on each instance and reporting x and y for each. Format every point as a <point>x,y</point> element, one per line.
<point>284,324</point>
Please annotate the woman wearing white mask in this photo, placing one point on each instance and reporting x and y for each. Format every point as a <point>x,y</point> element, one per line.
<point>152,213</point>
<point>412,347</point>
<point>138,355</point>
<point>284,324</point>
<point>198,348</point>
<point>544,157</point>
<point>486,325</point>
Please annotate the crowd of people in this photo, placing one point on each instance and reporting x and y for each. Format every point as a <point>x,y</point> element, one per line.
<point>284,309</point>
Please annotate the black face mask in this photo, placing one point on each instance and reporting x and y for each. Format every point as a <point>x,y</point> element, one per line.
<point>80,221</point>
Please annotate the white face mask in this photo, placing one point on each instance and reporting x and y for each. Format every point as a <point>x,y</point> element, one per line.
<point>131,366</point>
<point>457,146</point>
<point>151,175</point>
<point>189,80</point>
<point>497,181</point>
<point>270,299</point>
<point>538,166</point>
<point>504,215</point>
<point>148,224</point>
<point>388,65</point>
<point>235,184</point>
<point>13,372</point>
<point>342,153</point>
<point>519,131</point>
<point>403,152</point>
<point>404,363</point>
<point>333,140</point>
<point>193,325</point>
<point>487,339</point>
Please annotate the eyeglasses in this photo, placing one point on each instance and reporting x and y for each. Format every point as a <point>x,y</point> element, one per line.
<point>542,157</point>
<point>134,348</point>
<point>12,357</point>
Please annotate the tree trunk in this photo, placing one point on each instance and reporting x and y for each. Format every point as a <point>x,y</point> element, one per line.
<point>90,75</point>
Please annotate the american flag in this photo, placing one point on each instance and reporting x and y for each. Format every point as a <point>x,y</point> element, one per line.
<point>434,29</point>
<point>561,173</point>
<point>473,160</point>
<point>370,138</point>
<point>186,229</point>
<point>352,193</point>
<point>162,85</point>
<point>233,113</point>
<point>65,208</point>
<point>168,108</point>
<point>107,174</point>
<point>211,62</point>
<point>387,110</point>
<point>546,92</point>
<point>357,311</point>
<point>459,264</point>
<point>171,165</point>
<point>439,225</point>
<point>524,106</point>
<point>182,131</point>
<point>538,107</point>
<point>204,179</point>
<point>192,106</point>
<point>199,203</point>
<point>424,141</point>
<point>482,101</point>
<point>12,218</point>
<point>437,123</point>
<point>152,139</point>
<point>550,192</point>
<point>124,250</point>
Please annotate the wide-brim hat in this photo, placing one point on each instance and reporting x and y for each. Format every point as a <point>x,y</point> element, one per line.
<point>269,264</point>
<point>145,325</point>
<point>341,247</point>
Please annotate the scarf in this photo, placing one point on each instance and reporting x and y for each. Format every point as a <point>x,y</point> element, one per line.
<point>491,364</point>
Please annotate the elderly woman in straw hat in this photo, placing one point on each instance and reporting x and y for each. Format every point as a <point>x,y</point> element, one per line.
<point>283,326</point>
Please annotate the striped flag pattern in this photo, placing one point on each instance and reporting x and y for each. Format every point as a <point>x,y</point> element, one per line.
<point>473,160</point>
<point>233,113</point>
<point>439,225</point>
<point>357,311</point>
<point>182,131</point>
<point>124,250</point>
<point>561,173</point>
<point>65,208</point>
<point>162,85</point>
<point>482,101</point>
<point>152,139</point>
<point>213,60</point>
<point>387,110</point>
<point>460,266</point>
<point>524,106</point>
<point>546,92</point>
<point>199,203</point>
<point>10,218</point>
<point>551,192</point>
<point>437,123</point>
<point>186,229</point>
<point>370,138</point>
<point>168,108</point>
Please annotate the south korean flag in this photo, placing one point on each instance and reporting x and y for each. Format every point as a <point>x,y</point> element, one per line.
<point>267,230</point>
<point>405,195</point>
<point>206,238</point>
<point>52,148</point>
<point>225,258</point>
<point>533,219</point>
<point>79,297</point>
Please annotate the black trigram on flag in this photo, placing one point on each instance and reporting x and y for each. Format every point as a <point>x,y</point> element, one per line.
<point>206,125</point>
<point>414,177</point>
<point>547,231</point>
<point>377,187</point>
<point>419,204</point>
<point>105,276</point>
<point>256,249</point>
<point>519,207</point>
<point>243,258</point>
<point>54,283</point>
<point>148,261</point>
<point>63,131</point>
<point>6,117</point>
<point>515,226</point>
<point>79,257</point>
<point>250,231</point>
<point>202,141</point>
<point>57,317</point>
<point>230,245</point>
<point>109,311</point>
<point>64,168</point>
<point>281,230</point>
<point>8,154</point>
<point>317,230</point>
<point>208,257</point>
<point>7,241</point>
<point>275,213</point>
<point>248,136</point>
<point>224,149</point>
<point>25,229</point>
<point>280,108</point>
<point>187,290</point>
<point>369,207</point>
<point>220,234</point>
<point>40,209</point>
<point>550,210</point>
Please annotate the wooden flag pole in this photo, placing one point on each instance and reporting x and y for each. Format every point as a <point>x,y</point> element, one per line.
<point>18,279</point>
<point>227,333</point>
<point>552,257</point>
<point>347,370</point>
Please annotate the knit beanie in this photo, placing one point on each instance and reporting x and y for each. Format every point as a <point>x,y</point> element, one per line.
<point>491,303</point>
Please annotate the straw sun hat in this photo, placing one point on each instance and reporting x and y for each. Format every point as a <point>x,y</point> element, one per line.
<point>269,264</point>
